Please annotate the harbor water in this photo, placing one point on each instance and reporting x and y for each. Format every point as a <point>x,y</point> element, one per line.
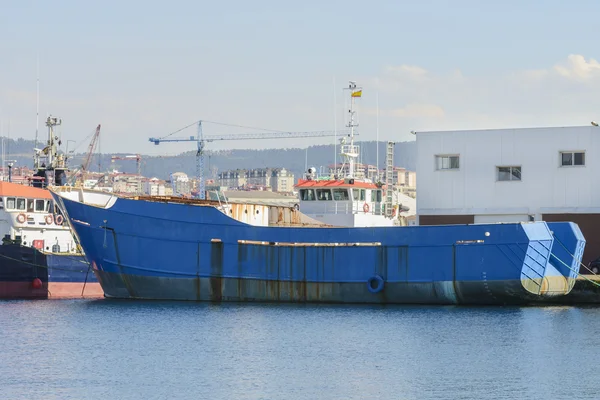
<point>107,349</point>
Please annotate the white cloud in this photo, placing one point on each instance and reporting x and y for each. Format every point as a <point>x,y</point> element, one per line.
<point>577,68</point>
<point>414,98</point>
<point>408,71</point>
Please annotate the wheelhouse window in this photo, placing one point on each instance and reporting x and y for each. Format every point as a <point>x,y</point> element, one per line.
<point>10,203</point>
<point>376,196</point>
<point>307,194</point>
<point>446,162</point>
<point>358,194</point>
<point>40,205</point>
<point>340,195</point>
<point>29,205</point>
<point>570,158</point>
<point>508,173</point>
<point>20,204</point>
<point>324,194</point>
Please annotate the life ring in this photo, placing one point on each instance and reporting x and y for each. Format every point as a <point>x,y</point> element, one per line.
<point>394,212</point>
<point>21,218</point>
<point>366,208</point>
<point>375,284</point>
<point>48,219</point>
<point>59,219</point>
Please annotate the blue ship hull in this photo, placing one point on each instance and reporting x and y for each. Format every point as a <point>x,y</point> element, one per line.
<point>69,269</point>
<point>153,250</point>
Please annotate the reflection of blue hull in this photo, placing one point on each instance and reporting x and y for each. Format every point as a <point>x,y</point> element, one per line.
<point>155,250</point>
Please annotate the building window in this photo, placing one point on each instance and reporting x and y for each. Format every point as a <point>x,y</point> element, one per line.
<point>446,162</point>
<point>569,158</point>
<point>509,173</point>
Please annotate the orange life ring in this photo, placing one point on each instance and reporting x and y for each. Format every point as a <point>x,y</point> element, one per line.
<point>394,211</point>
<point>59,219</point>
<point>21,218</point>
<point>366,208</point>
<point>48,219</point>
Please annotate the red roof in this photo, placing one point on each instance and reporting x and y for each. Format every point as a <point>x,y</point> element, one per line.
<point>16,190</point>
<point>305,183</point>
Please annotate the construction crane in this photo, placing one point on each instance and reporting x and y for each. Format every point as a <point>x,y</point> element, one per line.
<point>201,140</point>
<point>136,157</point>
<point>91,147</point>
<point>80,172</point>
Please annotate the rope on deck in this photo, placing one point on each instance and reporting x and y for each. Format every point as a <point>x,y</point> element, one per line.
<point>40,265</point>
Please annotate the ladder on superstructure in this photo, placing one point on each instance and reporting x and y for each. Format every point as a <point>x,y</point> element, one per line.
<point>389,179</point>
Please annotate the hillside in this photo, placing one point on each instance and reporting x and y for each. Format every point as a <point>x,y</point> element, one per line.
<point>293,159</point>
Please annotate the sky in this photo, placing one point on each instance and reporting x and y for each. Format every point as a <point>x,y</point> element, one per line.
<point>148,68</point>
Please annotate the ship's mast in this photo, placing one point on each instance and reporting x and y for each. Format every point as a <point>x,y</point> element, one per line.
<point>48,159</point>
<point>348,150</point>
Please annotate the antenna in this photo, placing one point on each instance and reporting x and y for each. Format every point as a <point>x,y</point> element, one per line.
<point>8,138</point>
<point>334,129</point>
<point>306,159</point>
<point>37,102</point>
<point>99,155</point>
<point>377,134</point>
<point>351,151</point>
<point>3,144</point>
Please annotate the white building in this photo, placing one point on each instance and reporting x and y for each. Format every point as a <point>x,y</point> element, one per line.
<point>155,187</point>
<point>506,175</point>
<point>281,180</point>
<point>277,179</point>
<point>127,183</point>
<point>181,183</point>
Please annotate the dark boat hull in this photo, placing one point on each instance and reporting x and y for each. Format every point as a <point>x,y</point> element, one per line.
<point>27,273</point>
<point>19,268</point>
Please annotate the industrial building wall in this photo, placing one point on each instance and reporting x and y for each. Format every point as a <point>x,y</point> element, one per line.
<point>473,188</point>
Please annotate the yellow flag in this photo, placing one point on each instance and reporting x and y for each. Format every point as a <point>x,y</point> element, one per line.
<point>358,93</point>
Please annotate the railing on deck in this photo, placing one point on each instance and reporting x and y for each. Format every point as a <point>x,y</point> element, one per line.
<point>341,207</point>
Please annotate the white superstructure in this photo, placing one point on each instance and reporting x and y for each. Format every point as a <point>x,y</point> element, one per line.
<point>28,215</point>
<point>350,201</point>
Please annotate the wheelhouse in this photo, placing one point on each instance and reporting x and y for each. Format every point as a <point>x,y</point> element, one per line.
<point>340,196</point>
